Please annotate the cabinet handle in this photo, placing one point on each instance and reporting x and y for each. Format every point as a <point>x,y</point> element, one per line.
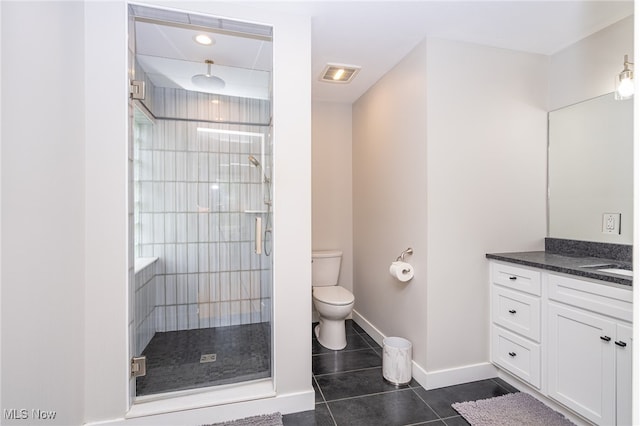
<point>512,354</point>
<point>621,343</point>
<point>512,278</point>
<point>605,338</point>
<point>512,311</point>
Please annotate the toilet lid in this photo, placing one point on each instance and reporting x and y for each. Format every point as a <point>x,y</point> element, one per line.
<point>333,295</point>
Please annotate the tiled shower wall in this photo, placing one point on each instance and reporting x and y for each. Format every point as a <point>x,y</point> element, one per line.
<point>197,199</point>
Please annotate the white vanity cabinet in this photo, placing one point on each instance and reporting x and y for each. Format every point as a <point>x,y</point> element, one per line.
<point>589,349</point>
<point>570,338</point>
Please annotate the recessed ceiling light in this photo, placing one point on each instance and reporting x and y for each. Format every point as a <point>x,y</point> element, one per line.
<point>339,73</point>
<point>203,39</point>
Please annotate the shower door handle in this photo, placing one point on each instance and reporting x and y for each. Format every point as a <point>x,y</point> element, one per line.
<point>258,235</point>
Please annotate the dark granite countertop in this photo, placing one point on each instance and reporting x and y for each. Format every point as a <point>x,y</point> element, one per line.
<point>573,265</point>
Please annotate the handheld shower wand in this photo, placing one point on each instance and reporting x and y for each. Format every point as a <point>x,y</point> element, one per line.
<point>254,161</point>
<point>267,230</point>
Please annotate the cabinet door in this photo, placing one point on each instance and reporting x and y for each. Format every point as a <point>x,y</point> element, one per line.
<point>581,372</point>
<point>623,374</point>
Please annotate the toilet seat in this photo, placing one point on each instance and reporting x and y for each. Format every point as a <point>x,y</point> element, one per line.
<point>333,295</point>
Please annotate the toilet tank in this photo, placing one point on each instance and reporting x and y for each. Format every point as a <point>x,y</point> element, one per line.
<point>325,268</point>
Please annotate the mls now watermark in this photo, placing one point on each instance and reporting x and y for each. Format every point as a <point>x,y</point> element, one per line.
<point>24,414</point>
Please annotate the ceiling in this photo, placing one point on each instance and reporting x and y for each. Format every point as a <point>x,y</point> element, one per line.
<point>376,35</point>
<point>170,57</point>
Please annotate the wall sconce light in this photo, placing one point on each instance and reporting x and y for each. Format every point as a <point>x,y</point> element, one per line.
<point>624,81</point>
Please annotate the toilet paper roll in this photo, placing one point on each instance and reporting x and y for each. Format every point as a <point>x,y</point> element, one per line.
<point>402,271</point>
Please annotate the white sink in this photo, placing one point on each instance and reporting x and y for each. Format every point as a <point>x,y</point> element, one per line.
<point>618,271</point>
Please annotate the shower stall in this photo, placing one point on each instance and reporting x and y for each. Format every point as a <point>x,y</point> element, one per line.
<point>201,220</point>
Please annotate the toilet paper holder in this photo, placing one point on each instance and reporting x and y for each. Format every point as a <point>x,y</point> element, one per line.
<point>400,269</point>
<point>403,254</point>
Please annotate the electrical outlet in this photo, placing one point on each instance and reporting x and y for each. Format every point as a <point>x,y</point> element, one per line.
<point>611,223</point>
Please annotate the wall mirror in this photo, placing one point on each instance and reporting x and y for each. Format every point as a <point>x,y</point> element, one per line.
<point>590,170</point>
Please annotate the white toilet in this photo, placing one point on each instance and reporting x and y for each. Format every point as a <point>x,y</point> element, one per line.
<point>333,303</point>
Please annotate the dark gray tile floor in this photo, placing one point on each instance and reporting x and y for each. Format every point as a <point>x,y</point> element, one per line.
<point>243,352</point>
<point>350,390</point>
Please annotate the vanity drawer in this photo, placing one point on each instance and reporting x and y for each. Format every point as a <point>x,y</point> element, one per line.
<point>519,356</point>
<point>517,312</point>
<point>515,277</point>
<point>601,298</point>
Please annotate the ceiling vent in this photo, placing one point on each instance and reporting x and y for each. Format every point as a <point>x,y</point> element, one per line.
<point>339,73</point>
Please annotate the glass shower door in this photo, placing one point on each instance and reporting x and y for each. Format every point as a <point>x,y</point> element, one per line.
<point>213,320</point>
<point>201,309</point>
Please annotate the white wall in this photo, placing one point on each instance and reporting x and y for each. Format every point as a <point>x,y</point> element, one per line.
<point>106,211</point>
<point>451,163</point>
<point>486,185</point>
<point>43,217</point>
<point>64,218</point>
<point>587,68</point>
<point>331,183</point>
<point>390,200</point>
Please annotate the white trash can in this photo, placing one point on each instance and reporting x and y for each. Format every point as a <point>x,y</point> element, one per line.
<point>396,360</point>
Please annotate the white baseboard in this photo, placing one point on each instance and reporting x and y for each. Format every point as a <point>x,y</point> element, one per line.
<point>285,404</point>
<point>453,376</point>
<point>371,330</point>
<point>434,379</point>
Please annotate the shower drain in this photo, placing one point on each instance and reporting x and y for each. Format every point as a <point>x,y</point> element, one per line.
<point>207,358</point>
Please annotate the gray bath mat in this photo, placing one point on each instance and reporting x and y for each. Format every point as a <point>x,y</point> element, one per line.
<point>511,409</point>
<point>274,419</point>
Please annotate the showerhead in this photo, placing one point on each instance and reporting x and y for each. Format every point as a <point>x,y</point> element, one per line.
<point>208,81</point>
<point>253,160</point>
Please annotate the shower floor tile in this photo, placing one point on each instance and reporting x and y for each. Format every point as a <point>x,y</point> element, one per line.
<point>242,352</point>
